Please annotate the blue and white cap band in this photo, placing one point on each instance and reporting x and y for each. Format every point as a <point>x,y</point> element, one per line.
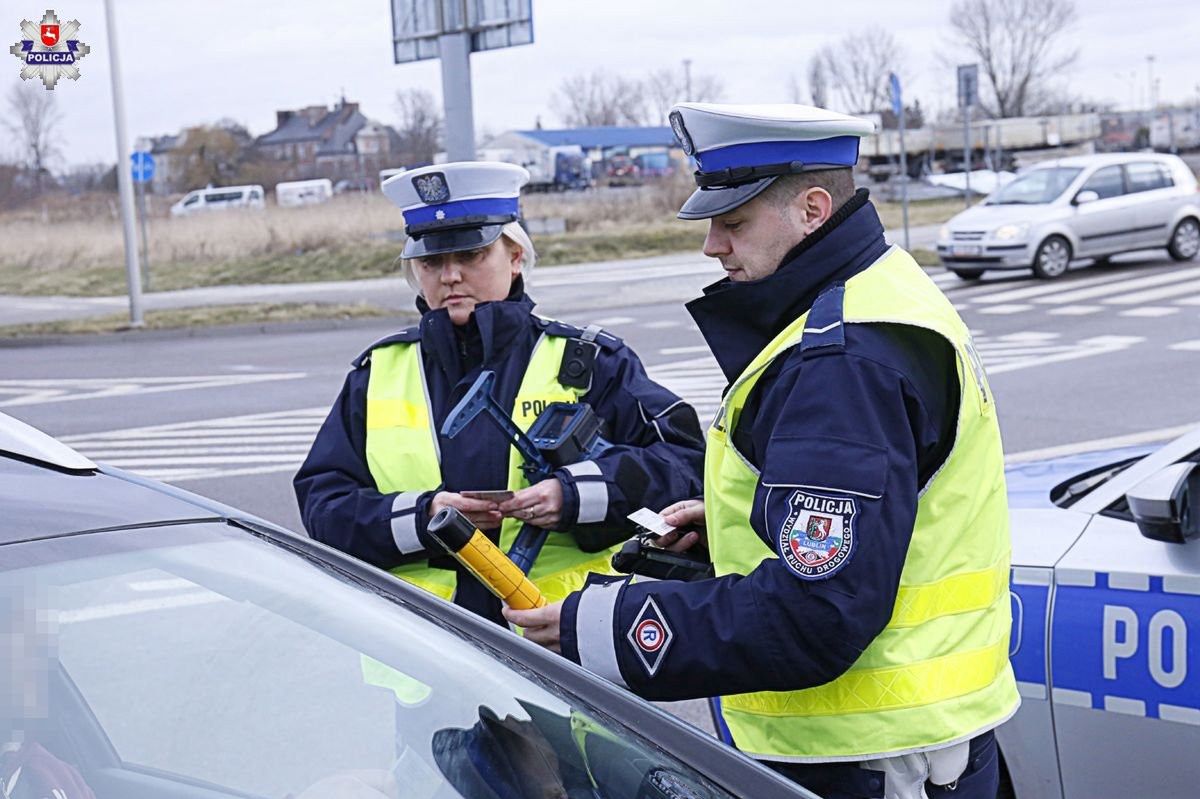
<point>737,139</point>
<point>463,194</point>
<point>741,149</point>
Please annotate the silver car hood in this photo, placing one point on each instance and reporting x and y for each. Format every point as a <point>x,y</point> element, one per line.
<point>986,217</point>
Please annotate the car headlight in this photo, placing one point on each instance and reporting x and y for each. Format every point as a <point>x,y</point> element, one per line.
<point>1010,232</point>
<point>944,233</point>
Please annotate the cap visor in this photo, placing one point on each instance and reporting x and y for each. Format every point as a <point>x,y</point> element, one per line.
<point>707,203</point>
<point>451,240</point>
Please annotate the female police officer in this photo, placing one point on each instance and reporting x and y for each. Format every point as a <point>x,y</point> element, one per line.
<point>379,469</point>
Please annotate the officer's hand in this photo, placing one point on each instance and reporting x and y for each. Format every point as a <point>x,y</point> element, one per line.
<point>539,505</point>
<point>687,513</point>
<point>541,624</point>
<point>483,513</point>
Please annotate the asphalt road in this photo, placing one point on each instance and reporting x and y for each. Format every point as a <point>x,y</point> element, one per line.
<point>1102,355</point>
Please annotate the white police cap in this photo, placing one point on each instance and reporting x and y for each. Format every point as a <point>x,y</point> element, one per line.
<point>457,206</point>
<point>741,149</point>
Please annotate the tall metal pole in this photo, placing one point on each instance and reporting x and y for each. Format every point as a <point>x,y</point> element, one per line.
<point>141,198</point>
<point>124,178</point>
<point>967,154</point>
<point>454,51</point>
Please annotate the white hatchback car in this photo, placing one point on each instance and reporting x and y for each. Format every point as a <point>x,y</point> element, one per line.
<point>1089,206</point>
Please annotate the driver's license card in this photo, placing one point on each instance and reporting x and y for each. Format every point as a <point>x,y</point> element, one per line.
<point>650,521</point>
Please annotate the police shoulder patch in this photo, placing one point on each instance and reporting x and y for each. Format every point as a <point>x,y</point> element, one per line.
<point>650,636</point>
<point>817,536</point>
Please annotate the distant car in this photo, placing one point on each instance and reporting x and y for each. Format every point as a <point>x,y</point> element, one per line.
<point>1105,588</point>
<point>1091,206</point>
<point>621,170</point>
<point>391,172</point>
<point>219,199</point>
<point>170,646</point>
<point>294,193</point>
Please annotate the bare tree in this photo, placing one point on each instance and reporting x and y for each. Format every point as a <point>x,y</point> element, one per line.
<point>33,119</point>
<point>1017,45</point>
<point>420,128</point>
<point>818,80</point>
<point>210,154</point>
<point>858,67</point>
<point>600,98</point>
<point>666,87</point>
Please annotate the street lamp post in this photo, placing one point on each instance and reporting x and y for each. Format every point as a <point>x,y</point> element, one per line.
<point>124,178</point>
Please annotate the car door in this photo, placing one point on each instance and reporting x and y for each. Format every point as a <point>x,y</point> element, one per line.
<point>1125,662</point>
<point>1153,190</point>
<point>1104,225</point>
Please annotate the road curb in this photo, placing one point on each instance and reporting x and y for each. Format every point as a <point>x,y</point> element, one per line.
<point>400,319</point>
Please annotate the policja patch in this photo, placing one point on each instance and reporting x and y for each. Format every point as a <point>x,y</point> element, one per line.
<point>817,537</point>
<point>650,635</point>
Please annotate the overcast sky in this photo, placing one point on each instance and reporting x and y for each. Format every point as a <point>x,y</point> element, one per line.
<point>186,62</point>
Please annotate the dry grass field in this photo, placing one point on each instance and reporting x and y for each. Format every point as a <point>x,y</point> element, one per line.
<point>75,246</point>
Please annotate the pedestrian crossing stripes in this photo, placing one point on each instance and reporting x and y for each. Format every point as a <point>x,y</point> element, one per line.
<point>1150,292</point>
<point>277,442</point>
<point>227,447</point>
<point>699,381</point>
<point>40,391</point>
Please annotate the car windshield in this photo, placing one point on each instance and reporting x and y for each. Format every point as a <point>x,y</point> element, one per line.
<point>199,660</point>
<point>1037,187</point>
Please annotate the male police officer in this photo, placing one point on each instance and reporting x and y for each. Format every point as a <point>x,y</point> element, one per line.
<point>854,495</point>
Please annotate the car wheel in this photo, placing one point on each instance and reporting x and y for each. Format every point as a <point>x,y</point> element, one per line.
<point>1052,259</point>
<point>968,274</point>
<point>1185,241</point>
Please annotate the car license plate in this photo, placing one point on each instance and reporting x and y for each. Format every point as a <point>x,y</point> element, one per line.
<point>966,251</point>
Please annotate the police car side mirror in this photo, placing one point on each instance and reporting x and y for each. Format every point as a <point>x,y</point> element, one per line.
<point>1085,197</point>
<point>1166,506</point>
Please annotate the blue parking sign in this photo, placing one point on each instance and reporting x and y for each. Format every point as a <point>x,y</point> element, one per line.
<point>897,102</point>
<point>142,164</point>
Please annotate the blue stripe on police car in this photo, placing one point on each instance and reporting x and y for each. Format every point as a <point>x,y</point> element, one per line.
<point>1121,643</point>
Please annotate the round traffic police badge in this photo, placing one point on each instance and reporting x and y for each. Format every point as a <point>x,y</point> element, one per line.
<point>685,141</point>
<point>649,635</point>
<point>817,537</point>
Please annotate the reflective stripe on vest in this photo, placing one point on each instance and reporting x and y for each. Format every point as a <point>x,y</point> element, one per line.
<point>403,455</point>
<point>939,672</point>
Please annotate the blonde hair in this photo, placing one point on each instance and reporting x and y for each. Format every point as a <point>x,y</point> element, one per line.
<point>511,231</point>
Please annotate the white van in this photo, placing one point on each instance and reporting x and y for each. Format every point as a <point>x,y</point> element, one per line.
<point>303,192</point>
<point>215,199</point>
<point>384,174</point>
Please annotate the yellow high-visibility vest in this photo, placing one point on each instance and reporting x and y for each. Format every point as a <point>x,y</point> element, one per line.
<point>403,456</point>
<point>939,672</point>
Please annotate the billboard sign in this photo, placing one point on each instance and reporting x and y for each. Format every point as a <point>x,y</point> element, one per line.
<point>492,24</point>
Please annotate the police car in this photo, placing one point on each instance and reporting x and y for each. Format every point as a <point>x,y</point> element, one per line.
<point>1106,624</point>
<point>157,644</point>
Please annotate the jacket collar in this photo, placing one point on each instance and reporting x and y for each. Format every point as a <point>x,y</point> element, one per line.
<point>739,319</point>
<point>491,330</point>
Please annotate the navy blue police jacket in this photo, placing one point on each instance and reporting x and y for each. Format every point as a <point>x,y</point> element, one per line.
<point>656,459</point>
<point>892,387</point>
